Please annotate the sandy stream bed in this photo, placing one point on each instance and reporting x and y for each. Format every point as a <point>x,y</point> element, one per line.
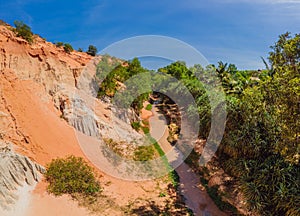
<point>196,198</point>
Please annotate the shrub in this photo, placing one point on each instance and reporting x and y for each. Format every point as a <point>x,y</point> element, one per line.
<point>71,175</point>
<point>23,31</point>
<point>144,153</point>
<point>223,205</point>
<point>92,50</point>
<point>146,130</point>
<point>59,44</point>
<point>136,125</point>
<point>149,107</point>
<point>80,50</point>
<point>68,48</point>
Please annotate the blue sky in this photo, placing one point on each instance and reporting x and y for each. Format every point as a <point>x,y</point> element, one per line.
<point>234,31</point>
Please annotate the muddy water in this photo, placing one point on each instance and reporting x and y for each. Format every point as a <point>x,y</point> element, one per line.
<point>195,197</point>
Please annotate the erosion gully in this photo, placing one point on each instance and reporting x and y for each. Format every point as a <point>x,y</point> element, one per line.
<point>195,196</point>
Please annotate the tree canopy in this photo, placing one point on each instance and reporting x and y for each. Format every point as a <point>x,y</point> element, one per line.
<point>92,50</point>
<point>260,147</point>
<point>23,31</point>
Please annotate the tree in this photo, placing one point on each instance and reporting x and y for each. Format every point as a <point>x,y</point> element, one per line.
<point>68,48</point>
<point>177,69</point>
<point>283,91</point>
<point>23,31</point>
<point>260,147</point>
<point>92,50</point>
<point>80,49</point>
<point>286,52</point>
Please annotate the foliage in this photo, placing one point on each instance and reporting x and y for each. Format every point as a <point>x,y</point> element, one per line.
<point>260,146</point>
<point>80,49</point>
<point>68,48</point>
<point>149,107</point>
<point>261,142</point>
<point>23,31</point>
<point>173,176</point>
<point>216,196</point>
<point>59,44</point>
<point>222,205</point>
<point>177,69</point>
<point>106,65</point>
<point>117,80</point>
<point>146,130</point>
<point>92,50</point>
<point>144,153</point>
<point>136,126</point>
<point>71,175</point>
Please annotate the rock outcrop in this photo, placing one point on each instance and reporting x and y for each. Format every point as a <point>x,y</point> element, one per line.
<point>35,78</point>
<point>15,171</point>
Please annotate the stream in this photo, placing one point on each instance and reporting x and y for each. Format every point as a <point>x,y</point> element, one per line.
<point>196,198</point>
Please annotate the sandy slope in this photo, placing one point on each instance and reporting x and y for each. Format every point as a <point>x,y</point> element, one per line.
<point>39,122</point>
<point>49,137</point>
<point>29,76</point>
<point>42,203</point>
<point>20,208</point>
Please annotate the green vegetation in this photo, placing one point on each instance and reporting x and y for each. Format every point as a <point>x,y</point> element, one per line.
<point>68,48</point>
<point>136,126</point>
<point>70,176</point>
<point>146,130</point>
<point>215,195</point>
<point>23,31</point>
<point>113,77</point>
<point>92,50</point>
<point>173,176</point>
<point>149,107</point>
<point>76,178</point>
<point>222,205</point>
<point>145,122</point>
<point>106,65</point>
<point>59,44</point>
<point>260,148</point>
<point>144,153</point>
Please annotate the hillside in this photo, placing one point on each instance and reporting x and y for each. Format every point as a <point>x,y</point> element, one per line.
<point>47,104</point>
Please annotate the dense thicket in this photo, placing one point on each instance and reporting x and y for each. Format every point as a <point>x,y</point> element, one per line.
<point>260,147</point>
<point>112,75</point>
<point>71,175</point>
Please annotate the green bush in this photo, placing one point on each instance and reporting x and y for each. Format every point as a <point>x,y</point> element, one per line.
<point>144,153</point>
<point>136,125</point>
<point>23,31</point>
<point>68,48</point>
<point>59,44</point>
<point>71,175</point>
<point>92,50</point>
<point>149,107</point>
<point>146,130</point>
